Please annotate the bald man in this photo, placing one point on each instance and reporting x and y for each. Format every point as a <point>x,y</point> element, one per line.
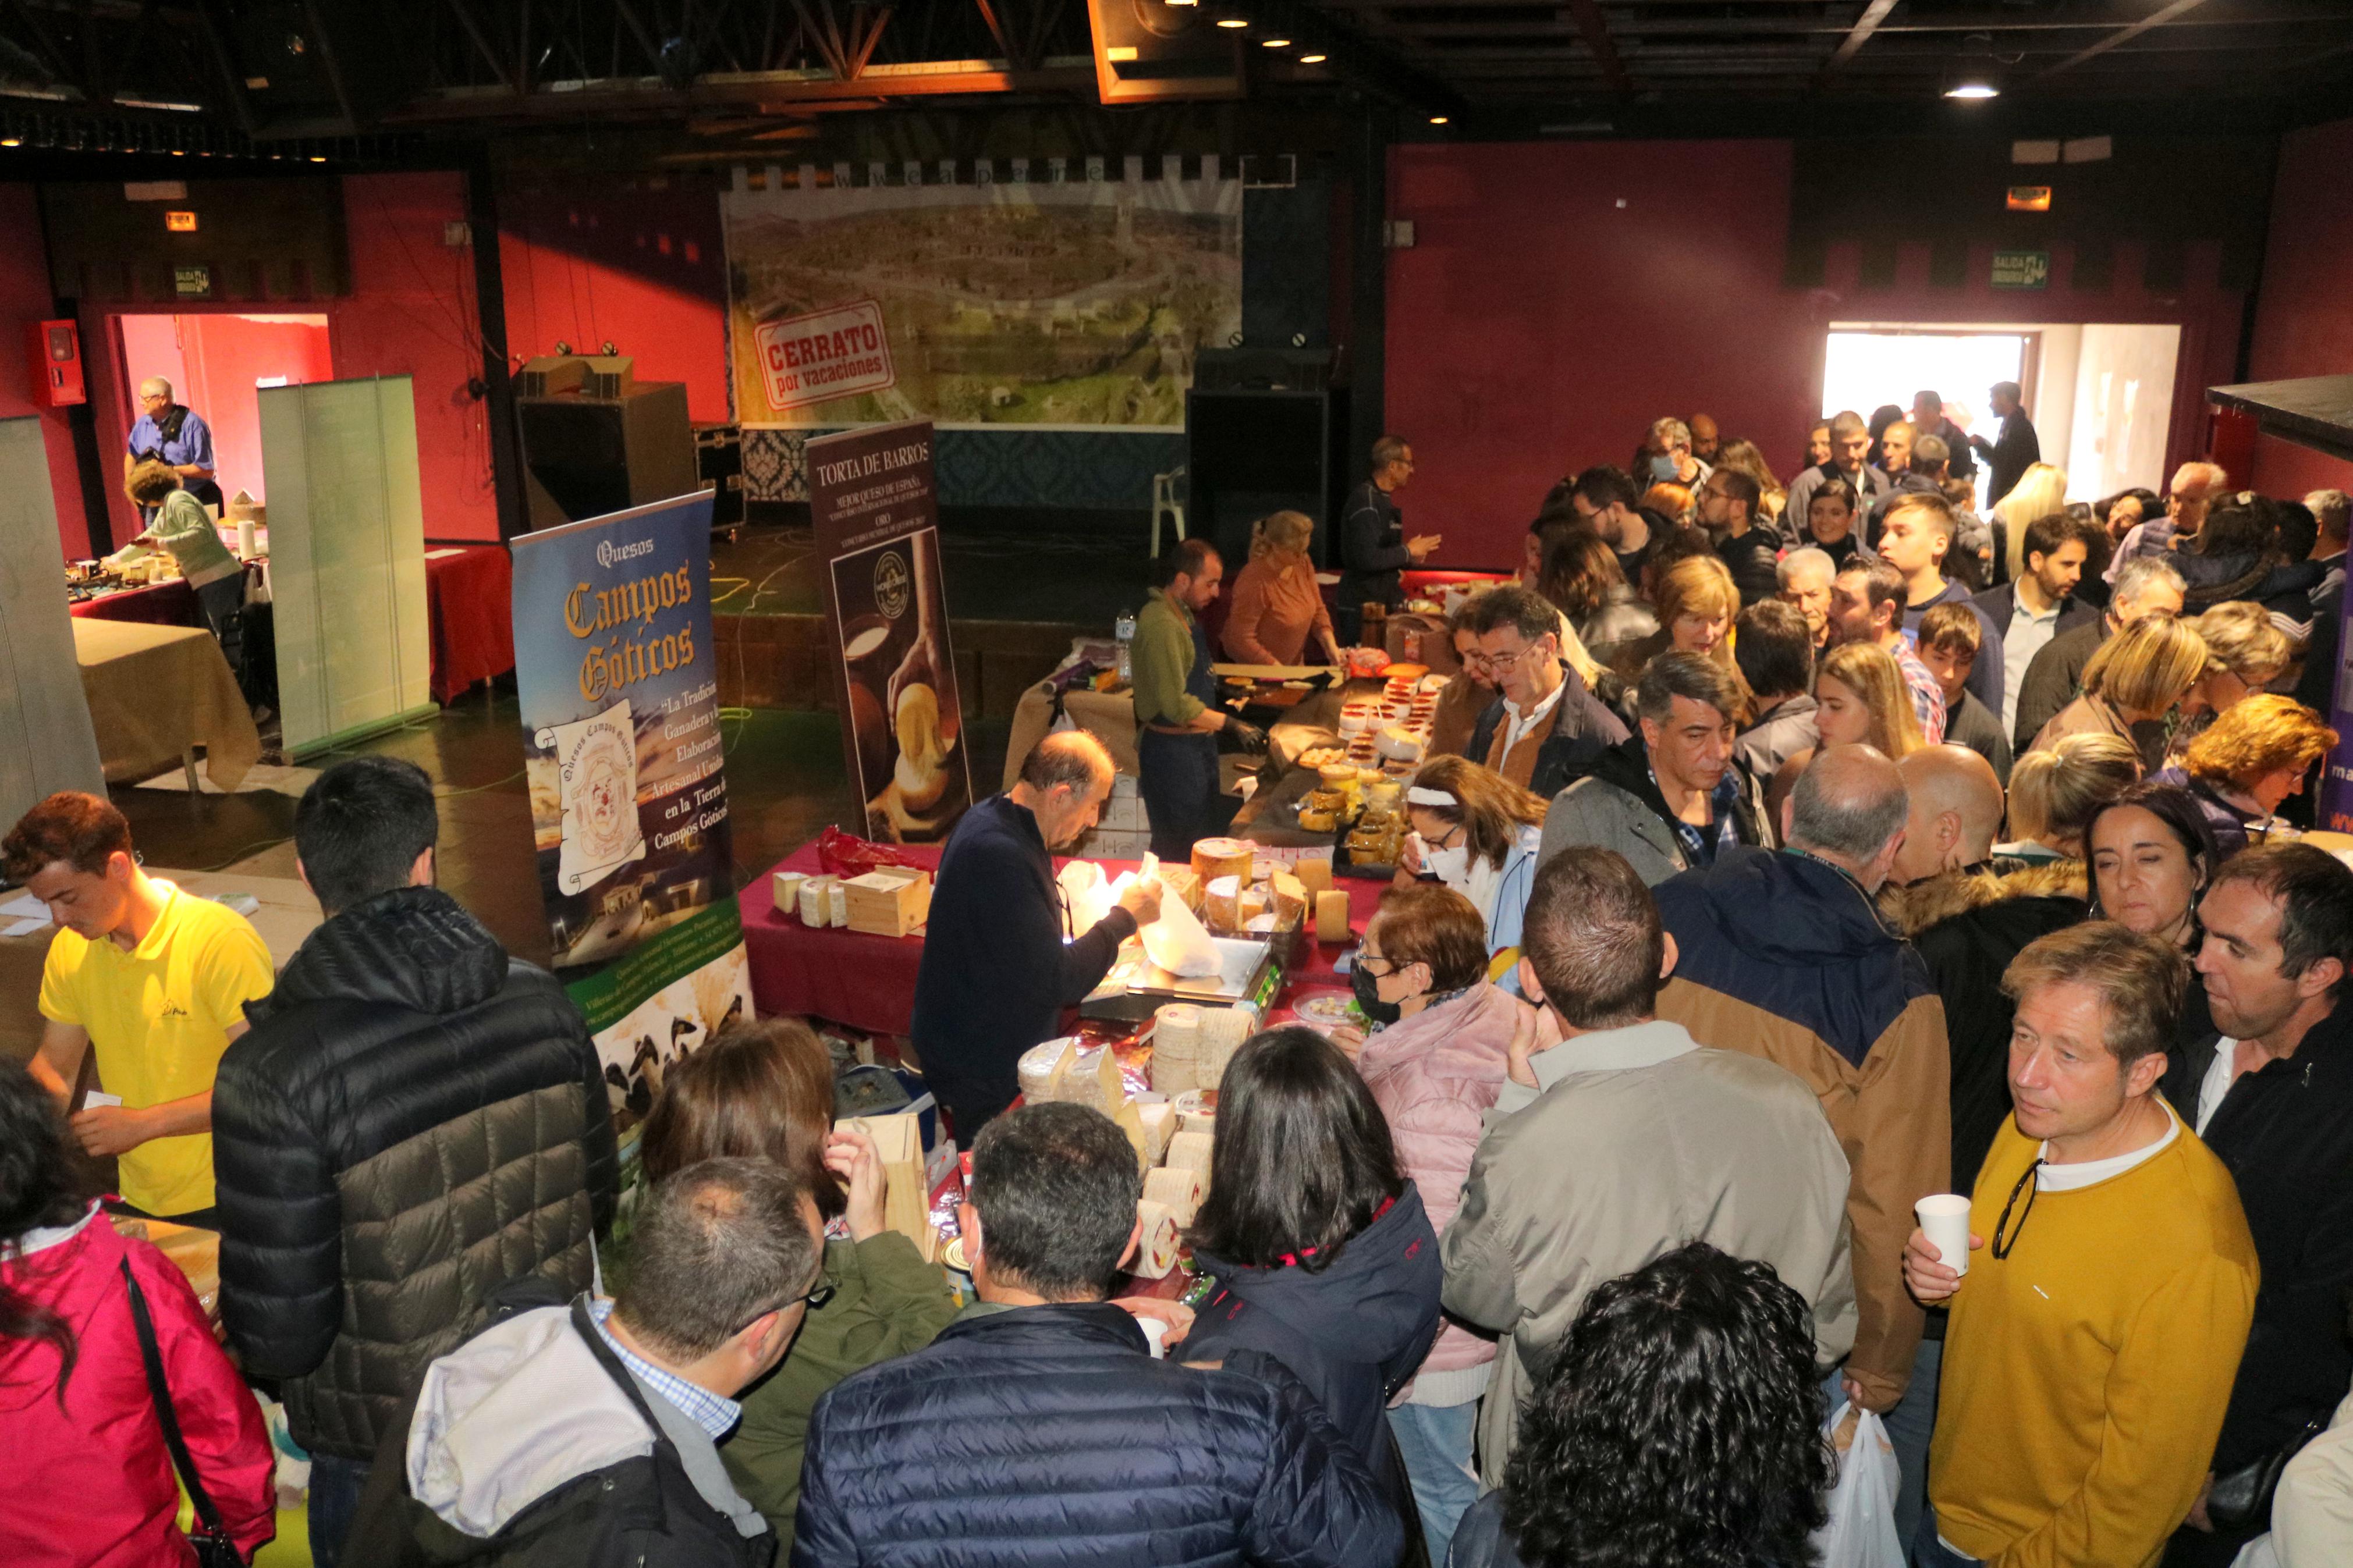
<point>1706,439</point>
<point>996,971</point>
<point>174,435</point>
<point>2195,489</point>
<point>1785,957</point>
<point>1968,915</point>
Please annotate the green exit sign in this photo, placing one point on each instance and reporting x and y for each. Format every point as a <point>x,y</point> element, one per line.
<point>2021,269</point>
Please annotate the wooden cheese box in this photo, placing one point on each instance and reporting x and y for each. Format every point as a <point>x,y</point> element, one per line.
<point>891,901</point>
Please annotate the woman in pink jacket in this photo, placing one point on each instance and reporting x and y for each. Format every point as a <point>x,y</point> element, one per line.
<point>90,1480</point>
<point>1435,1061</point>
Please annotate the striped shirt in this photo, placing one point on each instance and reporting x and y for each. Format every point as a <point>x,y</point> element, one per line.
<point>705,1409</point>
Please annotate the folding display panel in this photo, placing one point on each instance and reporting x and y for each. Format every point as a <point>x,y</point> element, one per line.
<point>46,740</point>
<point>347,559</point>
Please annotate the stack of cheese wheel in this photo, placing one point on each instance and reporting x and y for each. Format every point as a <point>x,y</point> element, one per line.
<point>1196,1112</point>
<point>1222,1033</point>
<point>1216,858</point>
<point>1160,1121</point>
<point>1156,1241</point>
<point>1190,1152</point>
<point>1177,1187</point>
<point>1175,1048</point>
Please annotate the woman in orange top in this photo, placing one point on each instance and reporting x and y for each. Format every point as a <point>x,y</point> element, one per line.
<point>1276,602</point>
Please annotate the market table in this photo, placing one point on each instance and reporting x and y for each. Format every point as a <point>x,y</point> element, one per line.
<point>157,692</point>
<point>469,601</point>
<point>869,981</point>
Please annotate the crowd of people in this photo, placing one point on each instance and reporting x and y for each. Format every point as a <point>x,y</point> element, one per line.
<point>1786,855</point>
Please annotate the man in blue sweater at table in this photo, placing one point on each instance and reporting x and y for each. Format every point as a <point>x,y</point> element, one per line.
<point>996,970</point>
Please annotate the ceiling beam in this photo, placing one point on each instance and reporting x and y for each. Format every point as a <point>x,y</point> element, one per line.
<point>773,90</point>
<point>1860,34</point>
<point>2157,18</point>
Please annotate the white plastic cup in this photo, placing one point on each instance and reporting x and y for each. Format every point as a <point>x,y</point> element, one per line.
<point>1944,1216</point>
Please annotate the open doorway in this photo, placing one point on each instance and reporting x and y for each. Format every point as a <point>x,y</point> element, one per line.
<point>217,362</point>
<point>2101,395</point>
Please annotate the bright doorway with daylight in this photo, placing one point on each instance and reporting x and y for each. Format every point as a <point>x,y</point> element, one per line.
<point>2101,395</point>
<point>218,363</point>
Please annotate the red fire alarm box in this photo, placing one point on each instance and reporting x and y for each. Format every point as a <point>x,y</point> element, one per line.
<point>53,355</point>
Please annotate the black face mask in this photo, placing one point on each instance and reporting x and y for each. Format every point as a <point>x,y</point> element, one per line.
<point>1366,985</point>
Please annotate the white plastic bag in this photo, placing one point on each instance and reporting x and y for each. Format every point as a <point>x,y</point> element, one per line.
<point>1175,941</point>
<point>1085,893</point>
<point>1860,1533</point>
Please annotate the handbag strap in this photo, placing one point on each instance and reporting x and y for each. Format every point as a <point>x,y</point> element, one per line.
<point>153,1355</point>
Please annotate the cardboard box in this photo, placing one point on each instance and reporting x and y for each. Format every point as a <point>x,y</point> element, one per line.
<point>889,902</point>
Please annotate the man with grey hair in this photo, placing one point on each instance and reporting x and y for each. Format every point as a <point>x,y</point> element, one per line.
<point>171,433</point>
<point>1672,797</point>
<point>1806,576</point>
<point>2149,587</point>
<point>2334,512</point>
<point>590,1430</point>
<point>1668,458</point>
<point>1785,955</point>
<point>2196,487</point>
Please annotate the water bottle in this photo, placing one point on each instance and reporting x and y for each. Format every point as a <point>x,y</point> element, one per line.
<point>1125,628</point>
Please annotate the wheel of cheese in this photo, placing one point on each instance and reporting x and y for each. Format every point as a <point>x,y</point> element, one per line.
<point>1190,1152</point>
<point>1156,1241</point>
<point>1220,905</point>
<point>1216,858</point>
<point>1177,1047</point>
<point>1178,1187</point>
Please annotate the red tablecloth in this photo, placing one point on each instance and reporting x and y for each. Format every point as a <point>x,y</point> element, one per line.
<point>869,981</point>
<point>172,604</point>
<point>470,598</point>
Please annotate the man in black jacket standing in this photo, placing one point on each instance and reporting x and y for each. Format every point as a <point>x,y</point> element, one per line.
<point>1374,549</point>
<point>413,1121</point>
<point>2273,1098</point>
<point>996,971</point>
<point>1038,1427</point>
<point>2015,450</point>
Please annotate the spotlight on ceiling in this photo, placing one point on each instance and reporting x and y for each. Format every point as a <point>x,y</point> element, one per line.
<point>1231,22</point>
<point>1312,60</point>
<point>1274,43</point>
<point>1438,119</point>
<point>1973,88</point>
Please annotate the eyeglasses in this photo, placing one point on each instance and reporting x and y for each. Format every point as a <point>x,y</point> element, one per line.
<point>817,1296</point>
<point>1492,661</point>
<point>2005,1240</point>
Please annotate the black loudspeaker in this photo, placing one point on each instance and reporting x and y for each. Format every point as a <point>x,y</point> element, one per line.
<point>1261,370</point>
<point>586,457</point>
<point>1248,453</point>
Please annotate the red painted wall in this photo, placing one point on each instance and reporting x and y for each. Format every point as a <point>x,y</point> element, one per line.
<point>410,312</point>
<point>213,363</point>
<point>1560,296</point>
<point>2304,311</point>
<point>25,296</point>
<point>641,266</point>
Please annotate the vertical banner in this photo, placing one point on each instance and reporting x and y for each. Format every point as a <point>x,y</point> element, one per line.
<point>2334,811</point>
<point>628,803</point>
<point>877,516</point>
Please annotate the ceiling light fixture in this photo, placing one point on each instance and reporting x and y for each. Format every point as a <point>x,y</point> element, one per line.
<point>1231,22</point>
<point>1438,119</point>
<point>1973,89</point>
<point>1312,60</point>
<point>1274,43</point>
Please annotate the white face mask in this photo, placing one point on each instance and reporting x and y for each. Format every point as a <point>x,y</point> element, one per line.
<point>1452,866</point>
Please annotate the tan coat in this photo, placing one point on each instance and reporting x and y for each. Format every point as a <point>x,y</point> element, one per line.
<point>1639,1142</point>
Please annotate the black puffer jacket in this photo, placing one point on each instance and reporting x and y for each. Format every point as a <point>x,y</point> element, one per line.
<point>413,1121</point>
<point>1047,1438</point>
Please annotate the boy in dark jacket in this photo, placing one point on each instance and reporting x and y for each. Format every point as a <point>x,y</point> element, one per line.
<point>1037,1429</point>
<point>414,1120</point>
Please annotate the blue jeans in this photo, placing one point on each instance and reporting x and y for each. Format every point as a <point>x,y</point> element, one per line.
<point>1909,1426</point>
<point>335,1486</point>
<point>1435,1440</point>
<point>1178,777</point>
<point>1928,1551</point>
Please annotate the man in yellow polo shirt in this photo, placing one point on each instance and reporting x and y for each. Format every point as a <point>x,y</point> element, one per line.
<point>154,979</point>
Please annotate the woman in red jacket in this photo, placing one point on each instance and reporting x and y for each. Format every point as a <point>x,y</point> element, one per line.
<point>91,1481</point>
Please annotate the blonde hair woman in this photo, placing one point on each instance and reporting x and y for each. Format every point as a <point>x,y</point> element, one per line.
<point>2140,675</point>
<point>1859,699</point>
<point>2040,492</point>
<point>2055,793</point>
<point>2248,652</point>
<point>1477,832</point>
<point>1697,604</point>
<point>2248,761</point>
<point>1276,603</point>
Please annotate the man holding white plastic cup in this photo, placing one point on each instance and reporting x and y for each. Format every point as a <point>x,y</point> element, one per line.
<point>2111,1281</point>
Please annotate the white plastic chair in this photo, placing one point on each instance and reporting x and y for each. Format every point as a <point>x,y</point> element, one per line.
<point>1167,501</point>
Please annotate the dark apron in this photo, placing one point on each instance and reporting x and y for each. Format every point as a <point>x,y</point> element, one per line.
<point>1178,774</point>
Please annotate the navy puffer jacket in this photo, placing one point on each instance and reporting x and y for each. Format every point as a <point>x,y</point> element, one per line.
<point>1353,1333</point>
<point>1038,1436</point>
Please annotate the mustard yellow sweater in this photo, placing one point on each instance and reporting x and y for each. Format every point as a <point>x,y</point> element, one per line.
<point>2085,1375</point>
